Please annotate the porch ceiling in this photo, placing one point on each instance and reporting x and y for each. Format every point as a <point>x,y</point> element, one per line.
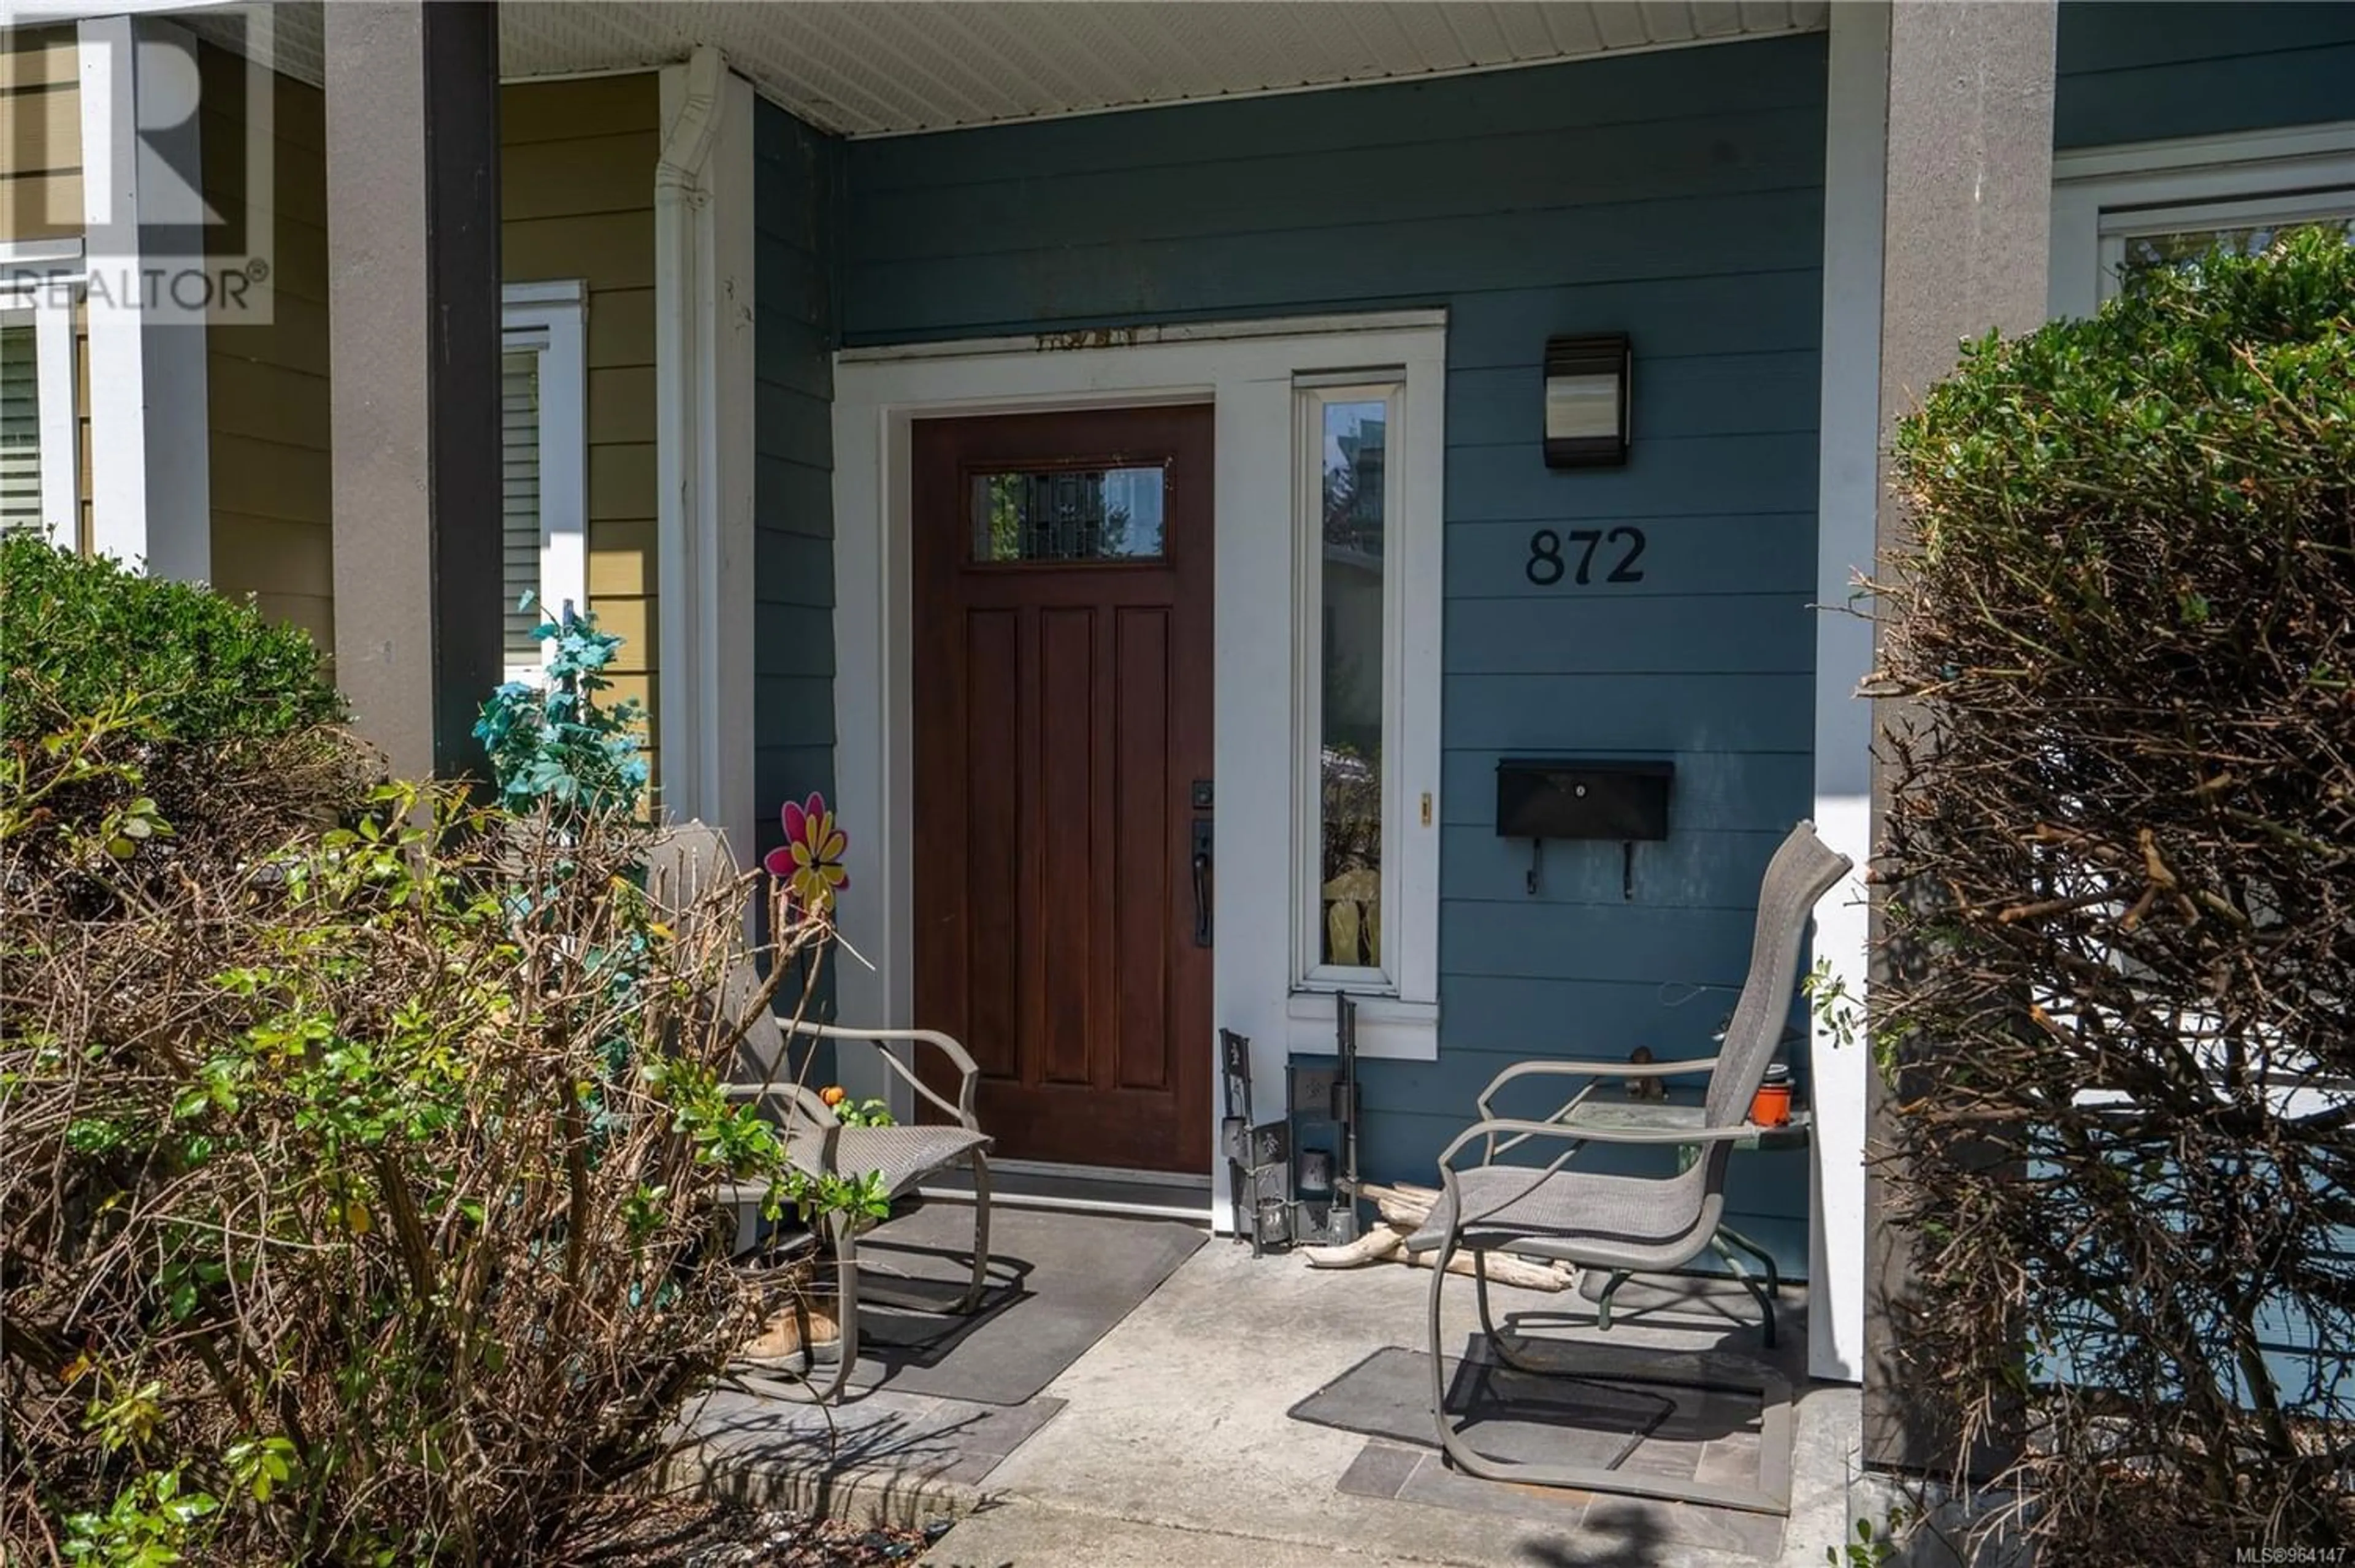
<point>867,69</point>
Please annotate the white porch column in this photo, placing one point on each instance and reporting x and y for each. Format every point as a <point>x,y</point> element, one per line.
<point>144,221</point>
<point>704,268</point>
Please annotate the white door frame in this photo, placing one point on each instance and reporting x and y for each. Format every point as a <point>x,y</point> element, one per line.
<point>1246,371</point>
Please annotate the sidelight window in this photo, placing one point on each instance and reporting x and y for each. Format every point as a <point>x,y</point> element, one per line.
<point>1366,867</point>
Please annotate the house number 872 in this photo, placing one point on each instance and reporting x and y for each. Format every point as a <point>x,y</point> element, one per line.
<point>1547,565</point>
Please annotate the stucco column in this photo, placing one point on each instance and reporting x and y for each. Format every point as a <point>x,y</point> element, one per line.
<point>413,330</point>
<point>1965,243</point>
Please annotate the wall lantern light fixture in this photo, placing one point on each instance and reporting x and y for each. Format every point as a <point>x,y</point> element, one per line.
<point>1586,397</point>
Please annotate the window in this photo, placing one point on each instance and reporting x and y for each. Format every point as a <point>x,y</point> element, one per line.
<point>20,421</point>
<point>543,420</point>
<point>2140,240</point>
<point>40,470</point>
<point>2119,210</point>
<point>1367,866</point>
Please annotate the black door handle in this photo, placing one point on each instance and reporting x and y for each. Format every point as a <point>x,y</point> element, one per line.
<point>1201,881</point>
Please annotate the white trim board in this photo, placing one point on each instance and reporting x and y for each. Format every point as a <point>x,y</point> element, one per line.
<point>150,452</point>
<point>1245,371</point>
<point>704,275</point>
<point>1849,489</point>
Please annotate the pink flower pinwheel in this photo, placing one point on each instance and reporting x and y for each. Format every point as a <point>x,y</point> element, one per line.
<point>810,861</point>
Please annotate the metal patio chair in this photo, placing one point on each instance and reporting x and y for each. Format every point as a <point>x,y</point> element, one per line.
<point>1626,1223</point>
<point>691,859</point>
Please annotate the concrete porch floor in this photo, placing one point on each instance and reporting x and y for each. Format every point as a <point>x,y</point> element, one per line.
<point>1170,1441</point>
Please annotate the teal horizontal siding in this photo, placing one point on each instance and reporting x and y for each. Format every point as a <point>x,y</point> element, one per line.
<point>1743,310</point>
<point>1278,190</point>
<point>1608,712</point>
<point>1718,792</point>
<point>2141,73</point>
<point>1369,264</point>
<point>1667,476</point>
<point>796,208</point>
<point>1684,557</point>
<point>1676,196</point>
<point>1691,868</point>
<point>1732,634</point>
<point>1703,394</point>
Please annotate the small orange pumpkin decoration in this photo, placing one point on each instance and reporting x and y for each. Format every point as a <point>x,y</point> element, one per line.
<point>833,1095</point>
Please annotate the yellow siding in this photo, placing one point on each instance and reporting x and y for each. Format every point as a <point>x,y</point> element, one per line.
<point>40,135</point>
<point>576,196</point>
<point>267,385</point>
<point>577,164</point>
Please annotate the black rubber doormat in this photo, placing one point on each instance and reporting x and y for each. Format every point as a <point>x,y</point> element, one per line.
<point>1720,1426</point>
<point>1060,1282</point>
<point>1514,1416</point>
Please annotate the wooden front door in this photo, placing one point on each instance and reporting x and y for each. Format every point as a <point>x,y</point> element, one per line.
<point>1063,597</point>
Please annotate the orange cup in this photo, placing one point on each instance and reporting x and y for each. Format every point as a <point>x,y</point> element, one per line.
<point>1771,1106</point>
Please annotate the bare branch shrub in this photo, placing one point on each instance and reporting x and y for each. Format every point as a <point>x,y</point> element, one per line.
<point>2121,852</point>
<point>360,1154</point>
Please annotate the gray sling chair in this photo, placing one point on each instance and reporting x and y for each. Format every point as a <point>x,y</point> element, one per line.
<point>692,857</point>
<point>1627,1223</point>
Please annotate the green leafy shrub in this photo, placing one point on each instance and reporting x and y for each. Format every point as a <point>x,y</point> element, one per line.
<point>154,727</point>
<point>79,632</point>
<point>2121,846</point>
<point>362,1198</point>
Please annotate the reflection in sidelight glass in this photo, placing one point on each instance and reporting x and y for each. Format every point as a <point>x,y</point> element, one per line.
<point>2148,252</point>
<point>1352,506</point>
<point>1067,515</point>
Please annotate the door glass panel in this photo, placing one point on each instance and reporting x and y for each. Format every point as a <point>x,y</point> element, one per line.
<point>1066,514</point>
<point>1351,512</point>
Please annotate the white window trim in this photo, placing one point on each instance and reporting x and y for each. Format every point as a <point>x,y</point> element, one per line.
<point>551,319</point>
<point>2101,193</point>
<point>45,278</point>
<point>1246,371</point>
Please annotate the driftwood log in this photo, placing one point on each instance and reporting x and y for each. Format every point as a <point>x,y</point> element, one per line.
<point>1403,1209</point>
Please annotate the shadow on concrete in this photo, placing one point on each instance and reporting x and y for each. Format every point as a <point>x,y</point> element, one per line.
<point>1629,1540</point>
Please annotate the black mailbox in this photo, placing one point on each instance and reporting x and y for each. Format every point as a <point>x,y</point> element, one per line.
<point>1573,797</point>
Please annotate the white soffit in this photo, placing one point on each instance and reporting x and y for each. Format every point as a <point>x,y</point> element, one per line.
<point>872,68</point>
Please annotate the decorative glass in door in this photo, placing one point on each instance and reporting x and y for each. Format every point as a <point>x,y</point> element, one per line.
<point>1067,515</point>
